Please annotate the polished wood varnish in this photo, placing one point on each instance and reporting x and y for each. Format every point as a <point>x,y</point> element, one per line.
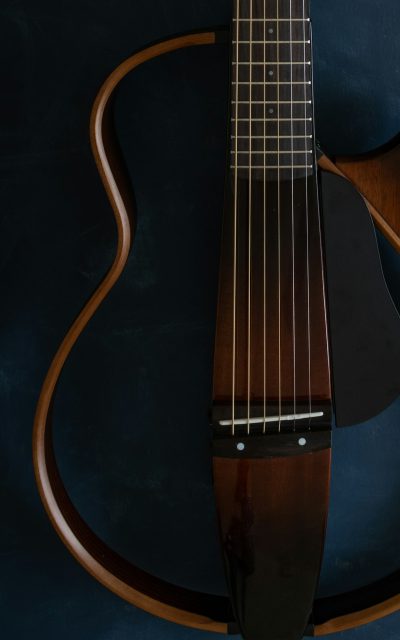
<point>272,514</point>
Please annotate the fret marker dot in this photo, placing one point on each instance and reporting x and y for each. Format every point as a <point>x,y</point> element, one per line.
<point>271,111</point>
<point>302,442</point>
<point>270,30</point>
<point>240,446</point>
<point>270,73</point>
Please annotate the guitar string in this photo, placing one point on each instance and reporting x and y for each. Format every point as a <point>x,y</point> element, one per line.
<point>264,229</point>
<point>249,282</point>
<point>235,223</point>
<point>307,216</point>
<point>322,264</point>
<point>279,220</point>
<point>293,218</point>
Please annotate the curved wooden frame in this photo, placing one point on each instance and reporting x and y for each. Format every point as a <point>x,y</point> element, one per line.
<point>176,604</point>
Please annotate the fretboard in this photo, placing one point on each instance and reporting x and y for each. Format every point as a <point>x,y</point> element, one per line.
<point>272,125</point>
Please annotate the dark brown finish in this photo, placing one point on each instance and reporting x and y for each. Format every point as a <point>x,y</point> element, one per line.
<point>271,351</point>
<point>272,516</point>
<point>275,446</point>
<point>294,368</point>
<point>207,613</point>
<point>377,177</point>
<point>271,58</point>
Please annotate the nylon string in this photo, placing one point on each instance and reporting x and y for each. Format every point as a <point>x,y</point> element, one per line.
<point>307,215</point>
<point>250,218</point>
<point>235,223</point>
<point>293,221</point>
<point>279,220</point>
<point>265,224</point>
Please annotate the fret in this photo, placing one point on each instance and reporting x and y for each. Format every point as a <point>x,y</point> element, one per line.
<point>268,83</point>
<point>272,120</point>
<point>287,73</point>
<point>283,94</point>
<point>286,127</point>
<point>296,136</point>
<point>273,173</point>
<point>271,31</point>
<point>273,145</point>
<point>268,154</point>
<point>266,64</point>
<point>278,166</point>
<point>272,20</point>
<point>266,53</point>
<point>281,10</point>
<point>278,102</point>
<point>267,42</point>
<point>270,150</point>
<point>255,102</point>
<point>276,137</point>
<point>271,108</point>
<point>271,159</point>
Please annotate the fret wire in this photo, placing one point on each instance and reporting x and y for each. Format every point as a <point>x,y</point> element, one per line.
<point>267,152</point>
<point>272,20</point>
<point>272,102</point>
<point>268,64</point>
<point>272,119</point>
<point>280,167</point>
<point>272,42</point>
<point>309,136</point>
<point>273,83</point>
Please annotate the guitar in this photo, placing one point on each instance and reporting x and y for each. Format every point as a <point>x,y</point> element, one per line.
<point>277,352</point>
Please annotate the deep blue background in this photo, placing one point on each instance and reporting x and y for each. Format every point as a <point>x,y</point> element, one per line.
<point>131,411</point>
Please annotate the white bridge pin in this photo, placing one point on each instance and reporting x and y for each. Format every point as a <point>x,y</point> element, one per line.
<point>240,446</point>
<point>302,442</point>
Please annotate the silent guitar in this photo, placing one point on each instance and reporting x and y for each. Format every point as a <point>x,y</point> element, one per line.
<point>307,339</point>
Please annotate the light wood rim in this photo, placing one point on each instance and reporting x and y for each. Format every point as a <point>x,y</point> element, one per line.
<point>48,481</point>
<point>88,550</point>
<point>327,164</point>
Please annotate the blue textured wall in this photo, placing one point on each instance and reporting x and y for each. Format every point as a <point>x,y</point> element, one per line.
<point>131,412</point>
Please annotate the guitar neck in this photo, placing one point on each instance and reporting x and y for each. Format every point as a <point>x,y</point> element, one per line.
<point>272,133</point>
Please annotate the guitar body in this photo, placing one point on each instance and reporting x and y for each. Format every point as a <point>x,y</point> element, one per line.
<point>377,176</point>
<point>273,493</point>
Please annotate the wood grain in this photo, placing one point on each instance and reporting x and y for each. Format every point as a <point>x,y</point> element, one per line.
<point>377,178</point>
<point>272,516</point>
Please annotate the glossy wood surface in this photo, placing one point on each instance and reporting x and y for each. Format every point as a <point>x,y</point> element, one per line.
<point>272,516</point>
<point>286,296</point>
<point>211,613</point>
<point>377,177</point>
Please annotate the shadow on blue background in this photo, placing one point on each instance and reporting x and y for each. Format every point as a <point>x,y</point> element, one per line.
<point>131,424</point>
